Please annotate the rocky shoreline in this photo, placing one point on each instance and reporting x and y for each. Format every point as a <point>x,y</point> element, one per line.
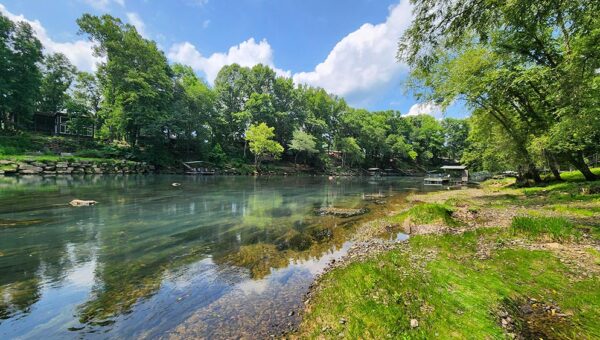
<point>72,167</point>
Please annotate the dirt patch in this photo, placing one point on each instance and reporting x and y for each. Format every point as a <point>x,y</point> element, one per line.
<point>576,256</point>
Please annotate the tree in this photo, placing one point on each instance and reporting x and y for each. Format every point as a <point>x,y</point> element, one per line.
<point>540,80</point>
<point>58,74</point>
<point>136,78</point>
<point>400,148</point>
<point>303,142</point>
<point>232,87</point>
<point>351,151</point>
<point>84,102</point>
<point>456,134</point>
<point>260,138</point>
<point>20,77</point>
<point>191,117</point>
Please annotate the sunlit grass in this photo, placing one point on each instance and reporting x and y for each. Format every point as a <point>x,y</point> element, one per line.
<point>450,292</point>
<point>557,228</point>
<point>427,213</point>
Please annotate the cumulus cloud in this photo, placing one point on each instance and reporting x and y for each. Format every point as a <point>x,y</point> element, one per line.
<point>139,24</point>
<point>363,64</point>
<point>79,52</point>
<point>104,4</point>
<point>427,108</point>
<point>247,53</point>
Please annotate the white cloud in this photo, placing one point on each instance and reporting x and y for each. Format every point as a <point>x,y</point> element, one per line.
<point>205,23</point>
<point>363,64</point>
<point>139,24</point>
<point>79,52</point>
<point>247,53</point>
<point>104,4</point>
<point>198,3</point>
<point>427,108</point>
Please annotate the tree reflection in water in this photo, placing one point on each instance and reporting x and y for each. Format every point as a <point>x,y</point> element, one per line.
<point>143,228</point>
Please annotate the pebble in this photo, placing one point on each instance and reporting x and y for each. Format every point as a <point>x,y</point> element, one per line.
<point>414,323</point>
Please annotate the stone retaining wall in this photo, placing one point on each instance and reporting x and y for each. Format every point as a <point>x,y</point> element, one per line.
<point>72,167</point>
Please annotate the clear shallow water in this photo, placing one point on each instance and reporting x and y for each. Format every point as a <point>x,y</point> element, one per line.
<point>214,257</point>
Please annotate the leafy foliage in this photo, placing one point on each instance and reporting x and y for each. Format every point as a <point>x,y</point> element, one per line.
<point>529,71</point>
<point>261,142</point>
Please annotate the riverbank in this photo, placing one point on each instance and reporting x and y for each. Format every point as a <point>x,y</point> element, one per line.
<point>58,165</point>
<point>495,261</point>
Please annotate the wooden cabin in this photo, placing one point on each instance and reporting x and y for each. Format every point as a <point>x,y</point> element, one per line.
<point>57,123</point>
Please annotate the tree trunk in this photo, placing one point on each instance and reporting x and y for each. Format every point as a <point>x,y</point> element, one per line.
<point>553,164</point>
<point>579,163</point>
<point>535,174</point>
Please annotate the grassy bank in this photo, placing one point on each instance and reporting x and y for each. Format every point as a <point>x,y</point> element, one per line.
<point>492,262</point>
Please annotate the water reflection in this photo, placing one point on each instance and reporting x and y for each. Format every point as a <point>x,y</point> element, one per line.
<point>152,259</point>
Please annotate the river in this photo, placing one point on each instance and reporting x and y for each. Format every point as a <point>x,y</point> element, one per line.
<point>215,257</point>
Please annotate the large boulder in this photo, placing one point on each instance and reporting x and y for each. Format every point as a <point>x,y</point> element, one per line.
<point>9,168</point>
<point>28,169</point>
<point>82,203</point>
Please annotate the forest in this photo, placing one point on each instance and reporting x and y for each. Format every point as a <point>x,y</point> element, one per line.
<point>530,80</point>
<point>164,112</point>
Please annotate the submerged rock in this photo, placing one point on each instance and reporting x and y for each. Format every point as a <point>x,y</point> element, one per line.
<point>341,212</point>
<point>82,203</point>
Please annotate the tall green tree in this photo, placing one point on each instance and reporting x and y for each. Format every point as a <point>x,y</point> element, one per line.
<point>20,76</point>
<point>544,69</point>
<point>232,87</point>
<point>456,134</point>
<point>303,142</point>
<point>57,76</point>
<point>84,102</point>
<point>191,117</point>
<point>136,78</point>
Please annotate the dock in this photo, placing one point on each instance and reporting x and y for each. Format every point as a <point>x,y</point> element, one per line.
<point>204,168</point>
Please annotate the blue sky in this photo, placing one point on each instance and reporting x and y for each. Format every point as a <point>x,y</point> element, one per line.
<point>347,47</point>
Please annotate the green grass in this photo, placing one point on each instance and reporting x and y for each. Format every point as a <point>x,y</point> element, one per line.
<point>444,282</point>
<point>453,295</point>
<point>557,228</point>
<point>585,212</point>
<point>427,213</point>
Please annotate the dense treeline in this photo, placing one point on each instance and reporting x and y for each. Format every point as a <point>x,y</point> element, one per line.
<point>166,112</point>
<point>530,71</point>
